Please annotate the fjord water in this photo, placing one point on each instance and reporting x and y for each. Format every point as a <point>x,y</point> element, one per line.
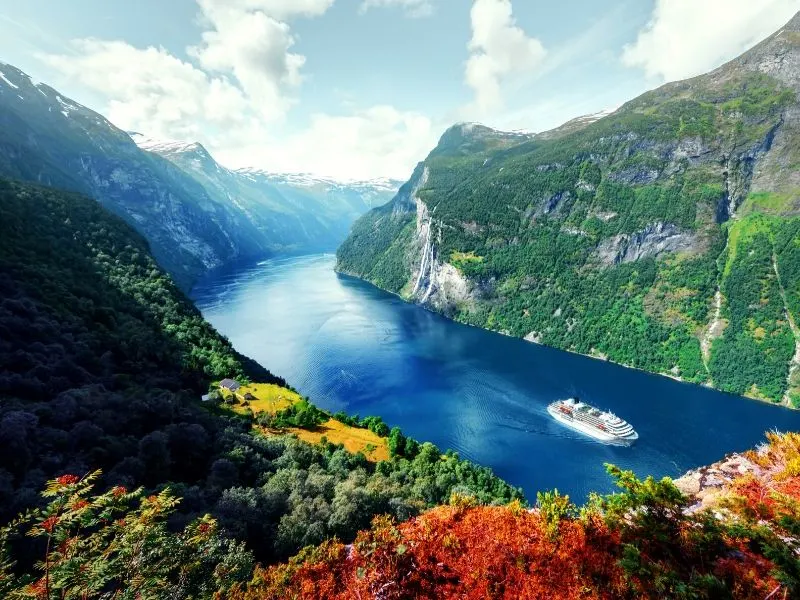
<point>352,347</point>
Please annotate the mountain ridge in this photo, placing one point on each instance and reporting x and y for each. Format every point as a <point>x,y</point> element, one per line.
<point>169,145</point>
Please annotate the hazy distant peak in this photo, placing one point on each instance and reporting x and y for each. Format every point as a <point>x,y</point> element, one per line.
<point>310,180</point>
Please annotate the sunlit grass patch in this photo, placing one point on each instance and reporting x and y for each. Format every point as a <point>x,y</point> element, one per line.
<point>773,203</point>
<point>268,398</point>
<point>354,439</point>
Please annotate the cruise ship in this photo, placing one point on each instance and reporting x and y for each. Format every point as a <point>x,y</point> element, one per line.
<point>603,426</point>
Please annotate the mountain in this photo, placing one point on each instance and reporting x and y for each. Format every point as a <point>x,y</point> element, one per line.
<point>50,139</point>
<point>663,236</point>
<point>294,212</point>
<point>179,200</point>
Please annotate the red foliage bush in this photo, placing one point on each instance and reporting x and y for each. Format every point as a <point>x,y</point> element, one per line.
<point>450,552</point>
<point>748,575</point>
<point>68,480</point>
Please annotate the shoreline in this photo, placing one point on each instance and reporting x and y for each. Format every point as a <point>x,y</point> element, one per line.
<point>606,360</point>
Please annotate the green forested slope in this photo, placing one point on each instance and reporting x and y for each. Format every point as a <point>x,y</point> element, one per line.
<point>613,238</point>
<point>102,364</point>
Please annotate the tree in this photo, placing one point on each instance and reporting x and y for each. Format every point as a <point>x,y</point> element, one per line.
<point>95,545</point>
<point>397,442</point>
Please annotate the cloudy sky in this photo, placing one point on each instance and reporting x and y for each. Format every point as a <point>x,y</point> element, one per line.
<point>364,88</point>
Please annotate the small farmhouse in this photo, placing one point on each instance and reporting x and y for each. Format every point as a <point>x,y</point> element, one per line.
<point>229,384</point>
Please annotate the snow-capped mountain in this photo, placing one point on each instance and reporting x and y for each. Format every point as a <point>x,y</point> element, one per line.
<point>310,180</point>
<point>164,146</point>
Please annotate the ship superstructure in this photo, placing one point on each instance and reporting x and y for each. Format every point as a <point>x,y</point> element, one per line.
<point>601,425</point>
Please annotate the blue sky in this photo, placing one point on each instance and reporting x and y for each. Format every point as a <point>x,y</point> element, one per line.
<point>363,88</point>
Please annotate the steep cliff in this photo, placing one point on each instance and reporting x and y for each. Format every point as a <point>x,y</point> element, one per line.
<point>664,235</point>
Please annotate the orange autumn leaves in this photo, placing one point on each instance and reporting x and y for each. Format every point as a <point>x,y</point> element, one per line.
<point>456,552</point>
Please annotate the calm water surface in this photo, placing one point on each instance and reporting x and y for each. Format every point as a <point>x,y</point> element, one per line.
<point>350,346</point>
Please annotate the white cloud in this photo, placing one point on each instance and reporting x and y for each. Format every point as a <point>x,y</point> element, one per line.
<point>255,49</point>
<point>246,74</point>
<point>250,40</point>
<point>413,8</point>
<point>689,37</point>
<point>234,97</point>
<point>499,49</point>
<point>379,141</point>
<point>152,90</point>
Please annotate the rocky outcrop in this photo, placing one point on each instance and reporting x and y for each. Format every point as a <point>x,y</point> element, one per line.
<point>650,242</point>
<point>635,175</point>
<point>534,337</point>
<point>436,283</point>
<point>705,484</point>
<point>552,204</point>
<point>406,199</point>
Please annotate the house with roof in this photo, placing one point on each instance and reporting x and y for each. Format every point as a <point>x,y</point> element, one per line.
<point>229,384</point>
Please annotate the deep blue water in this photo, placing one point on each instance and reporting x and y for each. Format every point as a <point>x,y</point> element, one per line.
<point>350,346</point>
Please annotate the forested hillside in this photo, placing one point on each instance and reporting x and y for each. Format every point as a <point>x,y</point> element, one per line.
<point>664,236</point>
<point>102,365</point>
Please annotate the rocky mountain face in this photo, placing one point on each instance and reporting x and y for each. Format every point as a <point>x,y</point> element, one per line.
<point>664,235</point>
<point>293,212</point>
<point>195,214</point>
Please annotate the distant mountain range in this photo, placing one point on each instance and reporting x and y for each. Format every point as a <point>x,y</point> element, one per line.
<point>663,235</point>
<point>196,214</point>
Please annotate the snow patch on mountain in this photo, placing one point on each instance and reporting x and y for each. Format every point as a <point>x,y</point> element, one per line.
<point>311,180</point>
<point>591,118</point>
<point>4,78</point>
<point>66,107</point>
<point>156,145</point>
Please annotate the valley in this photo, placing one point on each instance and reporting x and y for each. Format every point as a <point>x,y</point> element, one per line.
<point>196,214</point>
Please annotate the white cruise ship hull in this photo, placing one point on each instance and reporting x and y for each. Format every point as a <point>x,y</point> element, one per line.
<point>587,429</point>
